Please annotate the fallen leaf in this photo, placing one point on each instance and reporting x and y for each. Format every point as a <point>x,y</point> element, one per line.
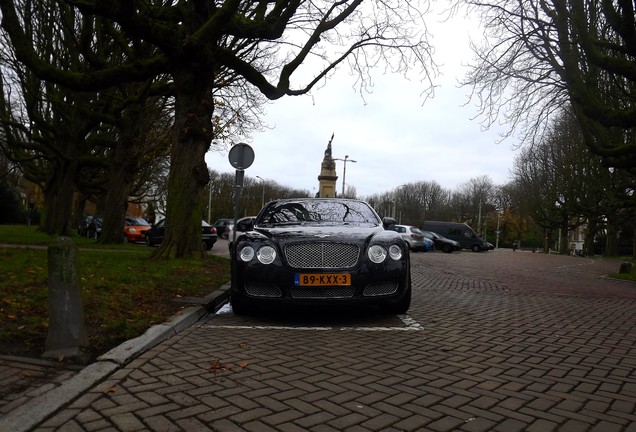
<point>242,345</point>
<point>110,390</point>
<point>243,364</point>
<point>217,367</point>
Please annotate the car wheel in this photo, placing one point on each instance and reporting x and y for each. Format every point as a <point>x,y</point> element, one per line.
<point>241,306</point>
<point>476,248</point>
<point>447,248</point>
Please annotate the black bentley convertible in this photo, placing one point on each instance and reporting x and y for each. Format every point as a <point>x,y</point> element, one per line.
<point>320,251</point>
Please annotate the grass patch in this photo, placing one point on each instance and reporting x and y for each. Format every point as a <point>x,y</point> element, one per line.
<point>631,276</point>
<point>123,293</point>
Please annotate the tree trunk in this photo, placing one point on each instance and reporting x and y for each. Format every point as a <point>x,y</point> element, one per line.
<point>122,168</point>
<point>564,248</point>
<point>590,234</point>
<point>611,247</point>
<point>58,200</point>
<point>115,205</point>
<point>188,171</point>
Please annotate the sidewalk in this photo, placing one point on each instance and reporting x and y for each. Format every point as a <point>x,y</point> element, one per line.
<point>35,388</point>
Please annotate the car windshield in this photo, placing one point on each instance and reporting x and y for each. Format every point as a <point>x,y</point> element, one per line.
<point>317,211</point>
<point>136,222</point>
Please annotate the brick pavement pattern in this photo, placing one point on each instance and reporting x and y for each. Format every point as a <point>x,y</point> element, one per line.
<point>495,341</point>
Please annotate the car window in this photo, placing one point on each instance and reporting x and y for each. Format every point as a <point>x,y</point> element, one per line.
<point>136,222</point>
<point>318,211</point>
<point>416,230</point>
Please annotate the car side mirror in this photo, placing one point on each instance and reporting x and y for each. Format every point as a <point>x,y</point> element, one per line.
<point>388,222</point>
<point>245,226</point>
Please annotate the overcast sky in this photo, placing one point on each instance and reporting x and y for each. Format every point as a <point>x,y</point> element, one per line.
<point>392,135</point>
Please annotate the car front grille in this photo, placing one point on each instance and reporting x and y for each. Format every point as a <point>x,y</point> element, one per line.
<point>380,288</point>
<point>322,255</point>
<point>322,292</point>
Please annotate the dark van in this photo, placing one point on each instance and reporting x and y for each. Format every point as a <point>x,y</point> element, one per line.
<point>459,232</point>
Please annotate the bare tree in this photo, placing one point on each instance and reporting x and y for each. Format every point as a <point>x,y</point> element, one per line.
<point>201,45</point>
<point>563,185</point>
<point>540,56</point>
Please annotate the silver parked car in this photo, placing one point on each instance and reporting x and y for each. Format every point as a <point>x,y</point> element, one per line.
<point>412,235</point>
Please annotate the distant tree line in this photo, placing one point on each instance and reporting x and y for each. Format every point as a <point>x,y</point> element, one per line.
<point>558,185</point>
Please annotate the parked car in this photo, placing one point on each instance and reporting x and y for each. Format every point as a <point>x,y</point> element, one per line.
<point>412,235</point>
<point>320,251</point>
<point>442,243</point>
<point>221,226</point>
<point>157,232</point>
<point>91,226</point>
<point>429,245</point>
<point>459,232</point>
<point>135,229</point>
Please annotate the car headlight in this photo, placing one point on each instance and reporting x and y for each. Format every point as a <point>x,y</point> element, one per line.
<point>246,254</point>
<point>266,254</point>
<point>395,252</point>
<point>132,230</point>
<point>377,254</point>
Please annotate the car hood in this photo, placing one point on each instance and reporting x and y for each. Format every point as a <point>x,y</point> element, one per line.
<point>347,233</point>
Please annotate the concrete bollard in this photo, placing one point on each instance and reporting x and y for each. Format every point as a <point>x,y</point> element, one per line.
<point>67,339</point>
<point>625,267</point>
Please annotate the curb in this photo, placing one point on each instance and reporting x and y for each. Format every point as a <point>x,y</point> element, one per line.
<point>37,410</point>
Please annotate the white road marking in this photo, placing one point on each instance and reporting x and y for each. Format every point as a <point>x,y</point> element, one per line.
<point>410,325</point>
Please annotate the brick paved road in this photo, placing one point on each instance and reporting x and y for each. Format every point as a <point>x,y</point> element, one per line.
<point>495,341</point>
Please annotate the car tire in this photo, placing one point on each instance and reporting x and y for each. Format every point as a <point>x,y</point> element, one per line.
<point>476,248</point>
<point>241,306</point>
<point>447,248</point>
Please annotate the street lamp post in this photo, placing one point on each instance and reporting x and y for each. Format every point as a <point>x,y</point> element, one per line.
<point>263,197</point>
<point>397,215</point>
<point>344,171</point>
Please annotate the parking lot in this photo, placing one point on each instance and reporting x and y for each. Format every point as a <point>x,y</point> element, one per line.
<point>494,341</point>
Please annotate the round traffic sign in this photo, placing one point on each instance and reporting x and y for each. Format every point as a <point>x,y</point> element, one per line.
<point>241,156</point>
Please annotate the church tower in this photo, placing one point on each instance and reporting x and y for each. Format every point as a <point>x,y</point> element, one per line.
<point>327,177</point>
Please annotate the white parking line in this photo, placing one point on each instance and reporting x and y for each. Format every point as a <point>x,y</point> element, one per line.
<point>409,325</point>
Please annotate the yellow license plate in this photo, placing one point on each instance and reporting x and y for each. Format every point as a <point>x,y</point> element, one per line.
<point>322,279</point>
